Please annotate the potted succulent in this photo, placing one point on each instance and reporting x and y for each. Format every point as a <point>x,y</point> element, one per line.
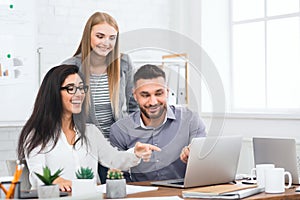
<point>85,182</point>
<point>48,190</point>
<point>84,173</point>
<point>115,184</point>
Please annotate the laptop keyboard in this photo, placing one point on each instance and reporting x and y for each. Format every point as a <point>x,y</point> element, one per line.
<point>177,183</point>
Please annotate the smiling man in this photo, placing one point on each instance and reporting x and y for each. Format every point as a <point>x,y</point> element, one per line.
<point>168,127</point>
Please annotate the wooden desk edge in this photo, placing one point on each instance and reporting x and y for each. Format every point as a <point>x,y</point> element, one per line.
<point>168,191</point>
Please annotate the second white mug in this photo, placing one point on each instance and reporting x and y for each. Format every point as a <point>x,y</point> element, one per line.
<point>275,182</point>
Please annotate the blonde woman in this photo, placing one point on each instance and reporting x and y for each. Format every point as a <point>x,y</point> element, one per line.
<point>108,73</point>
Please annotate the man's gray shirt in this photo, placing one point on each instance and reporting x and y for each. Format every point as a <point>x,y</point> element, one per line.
<point>177,132</point>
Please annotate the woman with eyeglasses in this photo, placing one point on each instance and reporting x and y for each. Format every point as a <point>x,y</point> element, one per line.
<point>57,136</point>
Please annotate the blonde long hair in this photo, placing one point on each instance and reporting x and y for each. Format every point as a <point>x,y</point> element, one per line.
<point>112,59</point>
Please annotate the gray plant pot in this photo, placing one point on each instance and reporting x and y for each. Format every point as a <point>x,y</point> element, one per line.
<point>115,188</point>
<point>48,191</point>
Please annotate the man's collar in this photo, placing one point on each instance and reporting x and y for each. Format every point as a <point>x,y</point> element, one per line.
<point>139,122</point>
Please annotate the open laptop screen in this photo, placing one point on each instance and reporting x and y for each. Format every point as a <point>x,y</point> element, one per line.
<point>212,160</point>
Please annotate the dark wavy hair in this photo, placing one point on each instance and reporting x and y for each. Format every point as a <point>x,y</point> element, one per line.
<point>44,124</point>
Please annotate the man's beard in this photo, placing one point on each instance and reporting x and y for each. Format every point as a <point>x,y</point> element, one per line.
<point>153,116</point>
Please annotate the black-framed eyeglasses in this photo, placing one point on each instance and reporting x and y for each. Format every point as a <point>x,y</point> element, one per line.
<point>72,89</point>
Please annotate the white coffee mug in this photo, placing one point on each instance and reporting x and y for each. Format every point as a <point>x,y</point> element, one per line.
<point>275,180</point>
<point>260,173</point>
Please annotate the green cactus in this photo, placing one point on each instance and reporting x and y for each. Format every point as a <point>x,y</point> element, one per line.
<point>114,174</point>
<point>85,173</point>
<point>47,178</point>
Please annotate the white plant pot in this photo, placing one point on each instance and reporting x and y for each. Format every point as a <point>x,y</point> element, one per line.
<point>48,191</point>
<point>115,188</point>
<point>82,187</point>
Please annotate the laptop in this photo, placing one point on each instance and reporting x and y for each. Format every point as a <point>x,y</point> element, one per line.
<point>212,160</point>
<point>278,151</point>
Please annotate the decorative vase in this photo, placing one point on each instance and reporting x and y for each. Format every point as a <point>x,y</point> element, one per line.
<point>48,191</point>
<point>115,188</point>
<point>82,187</point>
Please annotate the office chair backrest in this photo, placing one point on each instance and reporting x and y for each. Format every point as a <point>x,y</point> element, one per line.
<point>11,167</point>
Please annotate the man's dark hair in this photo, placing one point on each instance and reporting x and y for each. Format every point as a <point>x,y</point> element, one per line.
<point>148,72</point>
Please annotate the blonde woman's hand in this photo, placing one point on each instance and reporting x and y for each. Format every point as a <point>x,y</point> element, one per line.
<point>64,184</point>
<point>144,151</point>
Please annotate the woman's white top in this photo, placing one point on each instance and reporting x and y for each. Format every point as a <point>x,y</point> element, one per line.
<point>65,156</point>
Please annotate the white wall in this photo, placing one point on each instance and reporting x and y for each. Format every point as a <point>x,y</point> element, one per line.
<point>8,143</point>
<point>60,23</point>
<point>215,42</point>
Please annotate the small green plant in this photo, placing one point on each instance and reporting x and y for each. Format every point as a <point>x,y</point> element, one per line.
<point>114,174</point>
<point>47,178</point>
<point>85,173</point>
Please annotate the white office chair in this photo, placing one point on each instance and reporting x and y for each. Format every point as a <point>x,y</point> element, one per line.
<point>11,167</point>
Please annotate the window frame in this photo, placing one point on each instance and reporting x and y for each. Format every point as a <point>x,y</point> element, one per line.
<point>259,112</point>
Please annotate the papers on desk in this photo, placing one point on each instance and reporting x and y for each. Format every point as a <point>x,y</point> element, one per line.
<point>224,191</point>
<point>130,189</point>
